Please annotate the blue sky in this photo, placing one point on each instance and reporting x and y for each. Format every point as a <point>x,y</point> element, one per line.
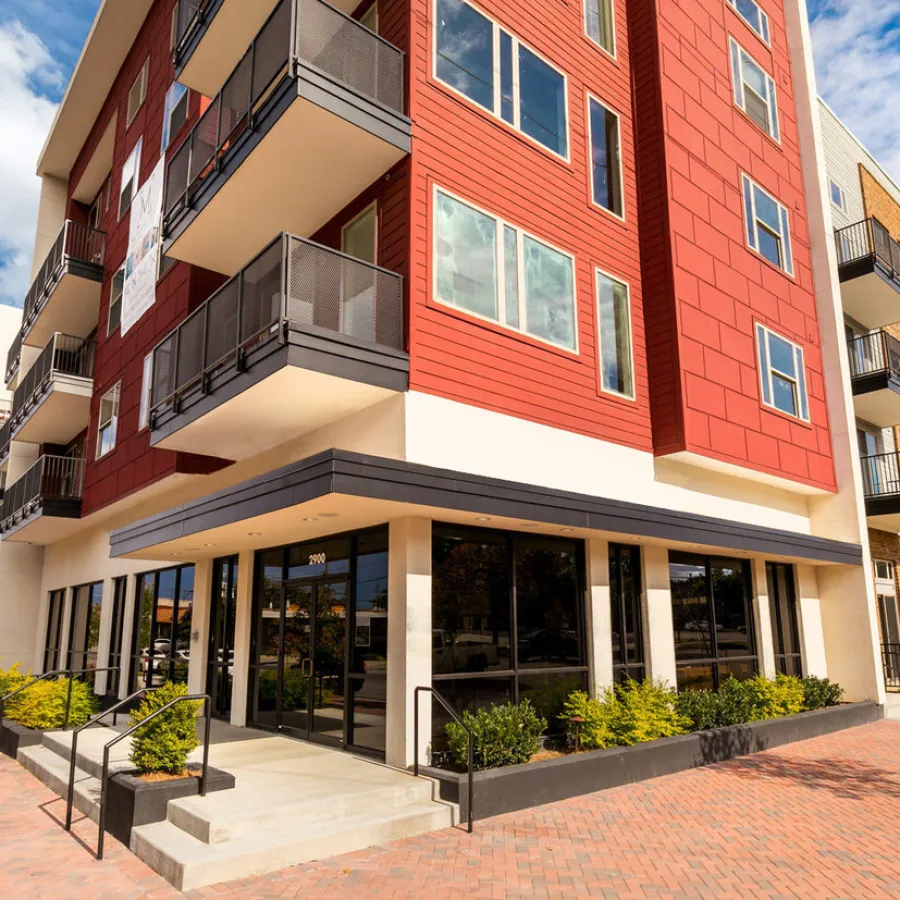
<point>856,43</point>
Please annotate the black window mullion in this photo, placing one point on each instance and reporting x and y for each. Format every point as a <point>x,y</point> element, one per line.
<point>514,617</point>
<point>711,610</point>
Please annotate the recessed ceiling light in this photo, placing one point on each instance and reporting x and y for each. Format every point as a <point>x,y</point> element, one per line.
<point>483,519</point>
<point>328,515</point>
<point>254,534</point>
<point>209,545</point>
<point>311,519</point>
<point>566,530</point>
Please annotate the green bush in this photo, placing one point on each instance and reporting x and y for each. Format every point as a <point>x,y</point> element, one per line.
<point>702,709</point>
<point>503,735</point>
<point>819,693</point>
<point>11,680</point>
<point>646,711</point>
<point>597,731</point>
<point>165,743</point>
<point>43,705</point>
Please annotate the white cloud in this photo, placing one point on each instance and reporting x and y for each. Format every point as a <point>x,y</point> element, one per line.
<point>27,71</point>
<point>857,52</point>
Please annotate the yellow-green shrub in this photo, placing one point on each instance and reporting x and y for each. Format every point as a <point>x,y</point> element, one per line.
<point>646,711</point>
<point>597,731</point>
<point>43,705</point>
<point>11,680</point>
<point>164,744</point>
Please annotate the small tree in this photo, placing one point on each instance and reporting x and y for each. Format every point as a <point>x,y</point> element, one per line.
<point>165,743</point>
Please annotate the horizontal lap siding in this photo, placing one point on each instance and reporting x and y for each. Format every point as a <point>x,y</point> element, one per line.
<point>464,149</point>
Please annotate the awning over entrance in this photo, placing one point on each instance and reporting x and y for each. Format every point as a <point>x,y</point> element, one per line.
<point>337,491</point>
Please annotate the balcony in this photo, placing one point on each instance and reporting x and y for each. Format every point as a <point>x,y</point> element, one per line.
<point>52,404</point>
<point>301,337</point>
<point>875,377</point>
<point>14,358</point>
<point>65,296</point>
<point>44,505</point>
<point>869,270</point>
<point>311,116</point>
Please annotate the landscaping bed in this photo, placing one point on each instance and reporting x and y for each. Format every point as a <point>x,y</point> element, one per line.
<point>511,788</point>
<point>14,736</point>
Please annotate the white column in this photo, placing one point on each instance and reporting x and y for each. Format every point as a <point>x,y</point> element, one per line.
<point>409,639</point>
<point>660,638</point>
<point>127,635</point>
<point>599,618</point>
<point>242,627</point>
<point>812,635</point>
<point>200,626</point>
<point>763,620</point>
<point>68,612</point>
<point>105,639</point>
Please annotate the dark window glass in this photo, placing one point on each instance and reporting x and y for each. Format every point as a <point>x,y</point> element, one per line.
<point>690,608</point>
<point>783,615</point>
<point>606,174</point>
<point>116,637</point>
<point>54,631</point>
<point>732,609</point>
<point>184,615</point>
<point>548,693</point>
<point>84,628</point>
<point>143,632</point>
<point>467,694</point>
<point>465,51</point>
<point>472,603</point>
<point>625,610</point>
<point>542,97</point>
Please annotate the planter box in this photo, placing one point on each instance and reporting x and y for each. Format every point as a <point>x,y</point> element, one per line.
<point>506,790</point>
<point>132,802</point>
<point>13,736</point>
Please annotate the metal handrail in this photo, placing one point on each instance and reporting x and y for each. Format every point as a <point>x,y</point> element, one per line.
<point>456,718</point>
<point>72,682</point>
<point>14,356</point>
<point>56,477</point>
<point>890,658</point>
<point>868,239</point>
<point>873,353</point>
<point>881,474</point>
<point>207,702</point>
<point>70,798</point>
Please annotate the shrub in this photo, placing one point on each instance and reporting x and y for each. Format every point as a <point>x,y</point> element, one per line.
<point>43,705</point>
<point>645,711</point>
<point>165,744</point>
<point>11,680</point>
<point>702,709</point>
<point>819,693</point>
<point>597,731</point>
<point>503,735</point>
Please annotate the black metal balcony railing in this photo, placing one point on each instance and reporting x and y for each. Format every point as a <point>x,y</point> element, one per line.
<point>294,283</point>
<point>59,478</point>
<point>871,354</point>
<point>890,657</point>
<point>189,18</point>
<point>5,410</point>
<point>865,241</point>
<point>881,475</point>
<point>76,243</point>
<point>308,30</point>
<point>14,357</point>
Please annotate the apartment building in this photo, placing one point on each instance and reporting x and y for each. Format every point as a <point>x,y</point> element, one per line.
<point>495,347</point>
<point>865,208</point>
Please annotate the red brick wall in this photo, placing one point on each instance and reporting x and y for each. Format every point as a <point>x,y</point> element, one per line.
<point>703,288</point>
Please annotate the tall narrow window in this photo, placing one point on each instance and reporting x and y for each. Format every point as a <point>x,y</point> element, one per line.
<point>130,175</point>
<point>175,113</point>
<point>53,643</point>
<point>359,237</point>
<point>754,90</point>
<point>370,18</point>
<point>768,226</point>
<point>115,301</point>
<point>625,608</point>
<point>146,387</point>
<point>599,24</point>
<point>109,421</point>
<point>84,627</point>
<point>783,615</point>
<point>499,272</point>
<point>782,374</point>
<point>138,93</point>
<point>483,62</point>
<point>116,658</point>
<point>838,197</point>
<point>752,14</point>
<point>606,160</point>
<point>614,323</point>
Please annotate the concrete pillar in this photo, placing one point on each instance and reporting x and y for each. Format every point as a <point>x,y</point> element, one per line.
<point>599,618</point>
<point>660,638</point>
<point>762,617</point>
<point>68,612</point>
<point>242,627</point>
<point>809,615</point>
<point>200,626</point>
<point>409,639</point>
<point>103,644</point>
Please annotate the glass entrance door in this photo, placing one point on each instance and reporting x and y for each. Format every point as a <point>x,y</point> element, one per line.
<point>220,661</point>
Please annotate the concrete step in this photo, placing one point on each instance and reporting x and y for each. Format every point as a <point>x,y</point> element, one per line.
<point>188,863</point>
<point>231,815</point>
<point>51,769</point>
<point>90,749</point>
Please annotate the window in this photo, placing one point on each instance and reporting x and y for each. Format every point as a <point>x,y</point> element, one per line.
<point>606,160</point>
<point>478,59</point>
<point>614,324</point>
<point>600,24</point>
<point>130,174</point>
<point>768,226</point>
<point>109,421</point>
<point>712,620</point>
<point>175,114</point>
<point>54,631</point>
<point>754,90</point>
<point>115,301</point>
<point>370,18</point>
<point>116,635</point>
<point>838,197</point>
<point>359,238</point>
<point>84,627</point>
<point>498,272</point>
<point>884,570</point>
<point>98,208</point>
<point>626,613</point>
<point>507,619</point>
<point>782,374</point>
<point>138,93</point>
<point>783,614</point>
<point>146,387</point>
<point>753,15</point>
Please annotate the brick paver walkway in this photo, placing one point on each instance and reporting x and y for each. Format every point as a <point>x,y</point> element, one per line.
<point>819,820</point>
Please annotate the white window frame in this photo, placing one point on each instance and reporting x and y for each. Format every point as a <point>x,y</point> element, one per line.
<point>496,112</point>
<point>109,326</point>
<point>761,28</point>
<point>133,166</point>
<point>521,234</point>
<point>169,110</point>
<point>115,395</point>
<point>751,228</point>
<point>832,186</point>
<point>146,387</point>
<point>887,580</point>
<point>612,54</point>
<point>740,86</point>
<point>617,114</point>
<point>600,273</point>
<point>141,83</point>
<point>799,380</point>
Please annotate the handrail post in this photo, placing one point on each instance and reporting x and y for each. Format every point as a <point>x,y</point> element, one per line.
<point>104,776</point>
<point>204,774</point>
<point>68,703</point>
<point>416,732</point>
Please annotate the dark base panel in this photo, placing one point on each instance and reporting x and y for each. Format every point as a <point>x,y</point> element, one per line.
<point>14,736</point>
<point>499,791</point>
